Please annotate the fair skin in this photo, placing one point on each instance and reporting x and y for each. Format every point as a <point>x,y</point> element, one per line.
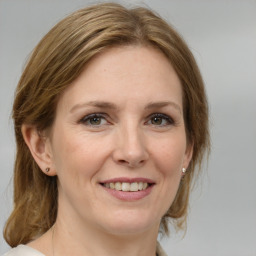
<point>120,122</point>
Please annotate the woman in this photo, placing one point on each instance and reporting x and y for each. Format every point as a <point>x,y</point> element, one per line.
<point>111,121</point>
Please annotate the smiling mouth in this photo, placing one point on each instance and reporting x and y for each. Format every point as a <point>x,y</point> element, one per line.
<point>126,186</point>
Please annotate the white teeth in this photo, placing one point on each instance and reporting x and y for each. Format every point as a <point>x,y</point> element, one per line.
<point>140,185</point>
<point>118,186</point>
<point>134,186</point>
<point>126,186</point>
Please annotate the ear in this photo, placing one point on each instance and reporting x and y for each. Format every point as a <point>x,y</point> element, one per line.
<point>188,155</point>
<point>40,148</point>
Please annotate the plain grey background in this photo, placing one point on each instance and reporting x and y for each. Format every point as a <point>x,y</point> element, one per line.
<point>222,36</point>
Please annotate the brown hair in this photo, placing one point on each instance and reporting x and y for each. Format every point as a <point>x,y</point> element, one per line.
<point>58,60</point>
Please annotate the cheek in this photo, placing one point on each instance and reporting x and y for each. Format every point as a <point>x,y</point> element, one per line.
<point>78,155</point>
<point>169,155</point>
<point>168,160</point>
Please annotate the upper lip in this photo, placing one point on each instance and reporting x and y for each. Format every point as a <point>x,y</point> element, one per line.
<point>128,180</point>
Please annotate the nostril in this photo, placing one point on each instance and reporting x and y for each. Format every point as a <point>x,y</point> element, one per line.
<point>131,164</point>
<point>122,161</point>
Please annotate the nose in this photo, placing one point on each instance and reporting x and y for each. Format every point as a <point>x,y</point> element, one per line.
<point>130,149</point>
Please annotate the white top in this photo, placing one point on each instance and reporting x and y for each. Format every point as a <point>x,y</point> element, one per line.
<point>24,250</point>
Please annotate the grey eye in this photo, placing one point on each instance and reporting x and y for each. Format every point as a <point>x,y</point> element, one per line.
<point>95,120</point>
<point>159,119</point>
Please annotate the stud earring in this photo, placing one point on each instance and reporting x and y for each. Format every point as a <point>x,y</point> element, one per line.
<point>184,170</point>
<point>47,169</point>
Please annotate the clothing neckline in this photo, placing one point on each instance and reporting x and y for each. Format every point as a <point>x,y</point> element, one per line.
<point>159,250</point>
<point>28,249</point>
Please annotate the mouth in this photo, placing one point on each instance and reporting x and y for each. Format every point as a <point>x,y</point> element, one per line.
<point>127,186</point>
<point>128,189</point>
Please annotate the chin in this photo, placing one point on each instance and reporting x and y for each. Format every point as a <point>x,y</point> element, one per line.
<point>131,224</point>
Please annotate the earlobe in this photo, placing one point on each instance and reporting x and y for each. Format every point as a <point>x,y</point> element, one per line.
<point>39,148</point>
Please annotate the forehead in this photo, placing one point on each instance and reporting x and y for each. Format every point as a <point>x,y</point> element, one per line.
<point>127,73</point>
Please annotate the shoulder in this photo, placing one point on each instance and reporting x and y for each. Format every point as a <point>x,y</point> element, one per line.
<point>159,250</point>
<point>23,250</point>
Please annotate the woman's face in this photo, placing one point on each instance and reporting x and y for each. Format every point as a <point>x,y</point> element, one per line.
<point>118,142</point>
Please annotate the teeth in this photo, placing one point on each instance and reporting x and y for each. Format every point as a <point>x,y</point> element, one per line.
<point>126,186</point>
<point>145,185</point>
<point>141,185</point>
<point>134,186</point>
<point>118,186</point>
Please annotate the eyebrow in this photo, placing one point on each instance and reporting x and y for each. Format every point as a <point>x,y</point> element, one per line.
<point>162,104</point>
<point>109,105</point>
<point>98,104</point>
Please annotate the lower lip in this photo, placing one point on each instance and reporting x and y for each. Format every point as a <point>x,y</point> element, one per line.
<point>129,196</point>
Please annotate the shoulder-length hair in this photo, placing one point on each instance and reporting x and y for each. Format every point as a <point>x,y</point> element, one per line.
<point>55,63</point>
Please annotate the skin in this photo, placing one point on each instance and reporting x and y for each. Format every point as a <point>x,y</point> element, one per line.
<point>139,133</point>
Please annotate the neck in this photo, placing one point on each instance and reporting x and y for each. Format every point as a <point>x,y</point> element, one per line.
<point>72,240</point>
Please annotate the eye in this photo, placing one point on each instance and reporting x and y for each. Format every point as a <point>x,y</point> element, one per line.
<point>159,119</point>
<point>94,120</point>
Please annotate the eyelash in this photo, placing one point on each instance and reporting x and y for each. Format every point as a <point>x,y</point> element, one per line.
<point>89,117</point>
<point>102,116</point>
<point>169,120</point>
